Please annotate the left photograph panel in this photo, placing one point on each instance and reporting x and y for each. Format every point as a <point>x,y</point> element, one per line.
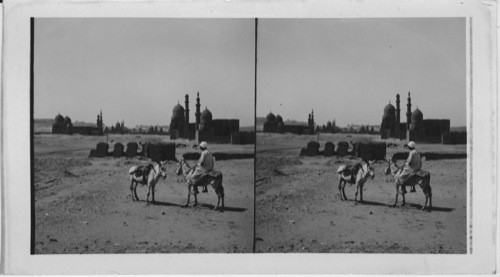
<point>143,135</point>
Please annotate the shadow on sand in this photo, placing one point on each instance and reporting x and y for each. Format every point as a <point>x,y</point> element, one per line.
<point>168,204</point>
<point>408,205</point>
<point>226,208</point>
<point>434,208</point>
<point>372,203</point>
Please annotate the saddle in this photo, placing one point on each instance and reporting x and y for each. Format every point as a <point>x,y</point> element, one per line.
<point>350,171</point>
<point>417,174</point>
<point>211,173</point>
<point>143,170</point>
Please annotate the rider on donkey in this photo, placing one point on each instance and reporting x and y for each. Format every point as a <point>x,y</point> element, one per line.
<point>205,164</point>
<point>412,165</point>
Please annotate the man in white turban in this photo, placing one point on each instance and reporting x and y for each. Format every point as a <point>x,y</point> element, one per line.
<point>204,164</point>
<point>412,164</point>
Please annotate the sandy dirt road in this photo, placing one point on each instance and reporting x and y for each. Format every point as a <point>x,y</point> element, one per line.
<point>83,205</point>
<point>299,207</point>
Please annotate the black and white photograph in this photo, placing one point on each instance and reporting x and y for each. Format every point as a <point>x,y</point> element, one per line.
<point>143,135</point>
<point>249,137</point>
<point>362,136</point>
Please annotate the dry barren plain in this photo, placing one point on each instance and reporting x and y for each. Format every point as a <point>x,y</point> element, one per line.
<point>83,205</point>
<point>298,207</point>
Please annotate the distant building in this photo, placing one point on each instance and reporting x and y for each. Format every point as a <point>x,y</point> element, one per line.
<point>63,125</point>
<point>275,124</point>
<point>205,128</point>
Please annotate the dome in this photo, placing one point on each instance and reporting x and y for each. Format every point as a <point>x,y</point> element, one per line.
<point>389,110</point>
<point>279,119</point>
<point>67,120</point>
<point>206,116</point>
<point>417,116</point>
<point>178,111</point>
<point>59,119</point>
<point>270,117</point>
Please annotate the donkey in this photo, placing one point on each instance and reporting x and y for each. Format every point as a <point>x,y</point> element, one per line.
<point>213,178</point>
<point>153,174</point>
<point>354,175</point>
<point>421,178</point>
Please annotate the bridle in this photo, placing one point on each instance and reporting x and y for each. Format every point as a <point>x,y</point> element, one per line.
<point>391,162</point>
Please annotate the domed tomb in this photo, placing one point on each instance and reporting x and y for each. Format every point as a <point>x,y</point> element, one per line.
<point>417,116</point>
<point>417,121</point>
<point>206,116</point>
<point>67,120</point>
<point>270,117</point>
<point>59,119</point>
<point>389,111</point>
<point>279,119</point>
<point>206,120</point>
<point>178,113</point>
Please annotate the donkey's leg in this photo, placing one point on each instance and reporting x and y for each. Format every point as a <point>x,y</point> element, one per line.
<point>189,195</point>
<point>222,196</point>
<point>153,193</point>
<point>403,193</point>
<point>344,183</point>
<point>340,190</point>
<point>397,194</point>
<point>217,191</point>
<point>135,190</point>
<point>361,187</point>
<point>149,192</point>
<point>132,189</point>
<point>195,198</point>
<point>356,194</point>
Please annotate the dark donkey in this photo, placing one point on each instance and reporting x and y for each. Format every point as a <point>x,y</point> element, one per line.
<point>421,178</point>
<point>213,178</point>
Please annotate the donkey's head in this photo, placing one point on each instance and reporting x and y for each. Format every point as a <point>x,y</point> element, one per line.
<point>387,170</point>
<point>179,170</point>
<point>162,170</point>
<point>391,166</point>
<point>368,168</point>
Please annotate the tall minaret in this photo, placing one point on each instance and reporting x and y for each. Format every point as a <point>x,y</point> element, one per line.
<point>398,110</point>
<point>408,112</point>
<point>397,132</point>
<point>408,117</point>
<point>197,114</point>
<point>186,117</point>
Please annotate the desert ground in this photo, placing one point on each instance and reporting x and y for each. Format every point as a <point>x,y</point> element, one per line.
<point>298,207</point>
<point>83,205</point>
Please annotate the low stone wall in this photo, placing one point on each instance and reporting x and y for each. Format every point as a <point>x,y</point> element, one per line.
<point>219,156</point>
<point>154,151</point>
<point>370,150</point>
<point>367,150</point>
<point>431,156</point>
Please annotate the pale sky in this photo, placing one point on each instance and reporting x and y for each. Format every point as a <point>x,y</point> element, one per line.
<point>138,69</point>
<point>349,69</point>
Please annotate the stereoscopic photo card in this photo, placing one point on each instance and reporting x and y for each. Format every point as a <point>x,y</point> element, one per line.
<point>249,137</point>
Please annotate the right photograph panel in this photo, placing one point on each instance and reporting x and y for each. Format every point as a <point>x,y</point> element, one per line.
<point>361,136</point>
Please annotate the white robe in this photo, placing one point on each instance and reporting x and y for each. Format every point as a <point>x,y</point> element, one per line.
<point>204,164</point>
<point>412,164</point>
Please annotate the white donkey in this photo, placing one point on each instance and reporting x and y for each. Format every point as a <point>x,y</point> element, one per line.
<point>357,174</point>
<point>146,175</point>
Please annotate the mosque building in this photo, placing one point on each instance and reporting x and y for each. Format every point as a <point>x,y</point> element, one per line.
<point>416,128</point>
<point>205,128</point>
<point>275,124</point>
<point>63,125</point>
